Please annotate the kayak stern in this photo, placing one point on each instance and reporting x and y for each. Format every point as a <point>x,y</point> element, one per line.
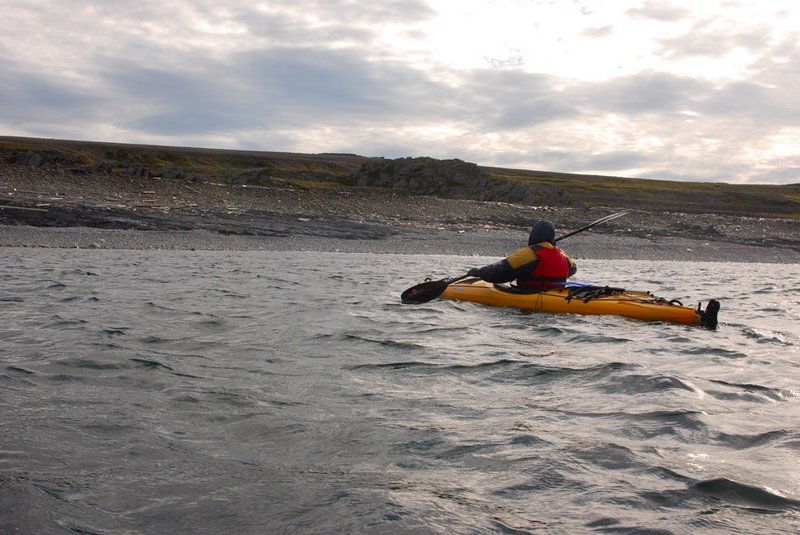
<point>584,299</point>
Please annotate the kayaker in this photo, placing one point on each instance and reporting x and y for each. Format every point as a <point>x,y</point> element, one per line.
<point>538,266</point>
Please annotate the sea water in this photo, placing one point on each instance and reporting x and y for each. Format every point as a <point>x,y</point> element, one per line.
<point>267,392</point>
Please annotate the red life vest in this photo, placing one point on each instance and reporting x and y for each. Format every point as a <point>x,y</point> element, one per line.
<point>551,271</point>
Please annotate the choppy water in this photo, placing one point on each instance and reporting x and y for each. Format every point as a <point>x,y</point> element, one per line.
<point>200,392</point>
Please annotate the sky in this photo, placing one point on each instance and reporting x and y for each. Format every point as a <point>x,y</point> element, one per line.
<point>691,90</point>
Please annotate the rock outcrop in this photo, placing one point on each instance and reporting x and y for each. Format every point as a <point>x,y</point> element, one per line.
<point>426,176</point>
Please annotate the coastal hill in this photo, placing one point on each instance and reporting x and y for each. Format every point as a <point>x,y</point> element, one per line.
<point>449,179</point>
<point>377,202</point>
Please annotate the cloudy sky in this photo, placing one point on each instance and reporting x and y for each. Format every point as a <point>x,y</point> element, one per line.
<point>673,89</point>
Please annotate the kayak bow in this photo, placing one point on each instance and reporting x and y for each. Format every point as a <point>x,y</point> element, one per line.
<point>587,299</point>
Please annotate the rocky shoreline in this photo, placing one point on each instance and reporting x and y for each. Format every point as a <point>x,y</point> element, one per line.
<point>67,209</point>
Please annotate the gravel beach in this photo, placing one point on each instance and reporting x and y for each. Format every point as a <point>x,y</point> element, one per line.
<point>40,208</point>
<point>484,242</point>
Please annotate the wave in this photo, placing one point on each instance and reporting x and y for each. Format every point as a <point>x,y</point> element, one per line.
<point>393,366</point>
<point>155,365</point>
<point>382,342</point>
<point>37,506</point>
<point>462,419</point>
<point>767,336</point>
<point>724,491</point>
<point>742,442</point>
<point>752,392</point>
<point>93,364</point>
<point>505,370</point>
<point>643,383</point>
<point>735,493</point>
<point>715,352</point>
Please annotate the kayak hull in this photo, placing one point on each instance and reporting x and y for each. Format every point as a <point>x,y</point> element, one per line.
<point>576,300</point>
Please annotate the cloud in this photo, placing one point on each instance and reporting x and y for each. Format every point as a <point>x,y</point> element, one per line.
<point>357,11</point>
<point>343,23</point>
<point>282,88</point>
<point>33,100</point>
<point>716,38</point>
<point>659,11</point>
<point>748,100</point>
<point>25,92</point>
<point>598,32</point>
<point>647,92</point>
<point>332,83</point>
<point>493,99</point>
<point>713,45</point>
<point>595,162</point>
<point>342,76</point>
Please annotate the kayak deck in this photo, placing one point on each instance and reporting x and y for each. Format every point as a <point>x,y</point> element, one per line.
<point>583,299</point>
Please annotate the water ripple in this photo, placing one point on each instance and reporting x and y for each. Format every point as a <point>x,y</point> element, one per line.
<point>293,392</point>
<point>724,491</point>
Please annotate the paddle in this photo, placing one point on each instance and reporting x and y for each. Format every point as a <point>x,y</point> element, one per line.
<point>590,225</point>
<point>429,290</point>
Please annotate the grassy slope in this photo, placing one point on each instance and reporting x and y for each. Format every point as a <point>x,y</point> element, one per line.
<point>764,200</point>
<point>327,169</point>
<point>213,163</point>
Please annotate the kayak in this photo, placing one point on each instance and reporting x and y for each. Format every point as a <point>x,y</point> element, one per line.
<point>573,298</point>
<point>582,298</point>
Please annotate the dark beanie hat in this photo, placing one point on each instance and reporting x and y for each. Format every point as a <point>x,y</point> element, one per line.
<point>542,231</point>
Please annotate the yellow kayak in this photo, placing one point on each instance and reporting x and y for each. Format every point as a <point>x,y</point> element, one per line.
<point>583,299</point>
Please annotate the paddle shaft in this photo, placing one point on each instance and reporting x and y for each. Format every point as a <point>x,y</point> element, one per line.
<point>590,225</point>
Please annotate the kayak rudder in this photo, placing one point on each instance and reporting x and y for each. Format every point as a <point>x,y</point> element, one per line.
<point>708,317</point>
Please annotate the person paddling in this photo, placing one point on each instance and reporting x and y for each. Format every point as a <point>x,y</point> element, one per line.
<point>538,266</point>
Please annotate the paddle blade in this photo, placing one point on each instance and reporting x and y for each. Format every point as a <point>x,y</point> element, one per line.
<point>424,292</point>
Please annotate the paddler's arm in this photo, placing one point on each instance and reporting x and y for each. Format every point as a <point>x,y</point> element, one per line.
<point>516,265</point>
<point>573,267</point>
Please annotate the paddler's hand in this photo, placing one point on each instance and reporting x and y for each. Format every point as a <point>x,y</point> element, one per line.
<point>474,272</point>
